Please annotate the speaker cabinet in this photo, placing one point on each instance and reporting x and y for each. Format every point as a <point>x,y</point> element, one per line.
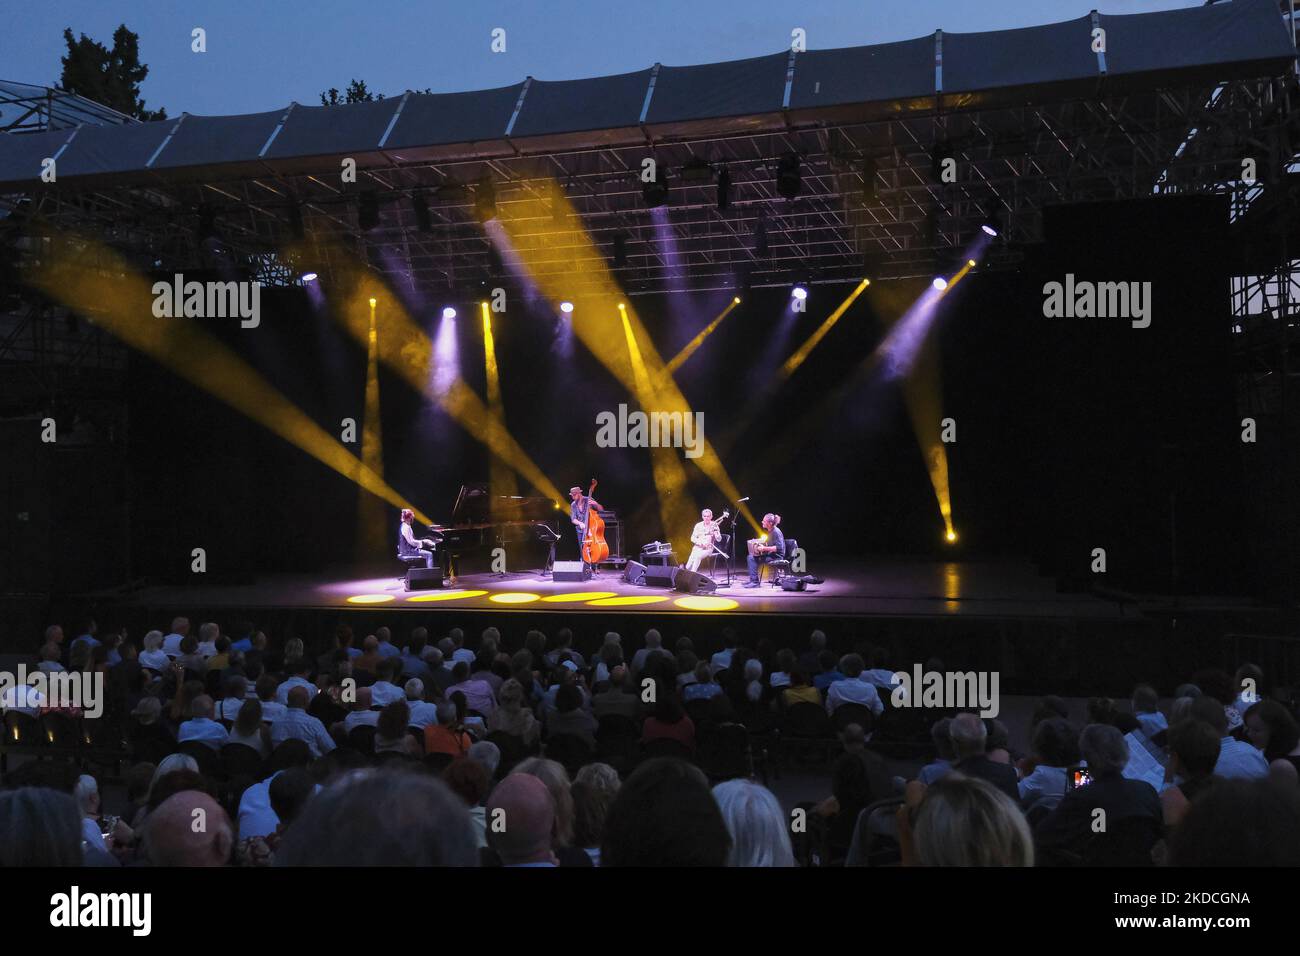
<point>660,576</point>
<point>634,573</point>
<point>569,571</point>
<point>424,579</point>
<point>692,582</point>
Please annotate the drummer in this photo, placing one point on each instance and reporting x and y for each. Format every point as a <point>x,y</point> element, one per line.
<point>770,548</point>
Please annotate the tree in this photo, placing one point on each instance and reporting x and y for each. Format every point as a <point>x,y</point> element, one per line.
<point>355,93</point>
<point>111,77</point>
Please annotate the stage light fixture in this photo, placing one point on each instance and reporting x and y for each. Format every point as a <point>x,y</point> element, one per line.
<point>736,299</point>
<point>449,312</point>
<point>789,178</point>
<point>939,283</point>
<point>951,536</point>
<point>368,210</point>
<point>991,225</point>
<point>655,192</point>
<point>373,302</point>
<point>799,292</point>
<point>566,307</point>
<point>309,277</point>
<point>420,207</point>
<point>724,188</point>
<point>971,263</point>
<point>485,199</point>
<point>869,171</point>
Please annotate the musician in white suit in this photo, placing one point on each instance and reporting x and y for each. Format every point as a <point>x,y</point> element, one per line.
<point>704,536</point>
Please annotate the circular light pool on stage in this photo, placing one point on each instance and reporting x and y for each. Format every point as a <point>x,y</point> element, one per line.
<point>705,603</point>
<point>444,596</point>
<point>514,597</point>
<point>370,599</point>
<point>578,596</point>
<point>629,600</point>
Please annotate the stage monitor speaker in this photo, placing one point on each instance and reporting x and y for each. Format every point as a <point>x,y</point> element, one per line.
<point>423,579</point>
<point>692,582</point>
<point>570,571</point>
<point>660,576</point>
<point>634,573</point>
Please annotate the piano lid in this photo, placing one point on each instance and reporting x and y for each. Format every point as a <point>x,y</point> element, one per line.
<point>476,505</point>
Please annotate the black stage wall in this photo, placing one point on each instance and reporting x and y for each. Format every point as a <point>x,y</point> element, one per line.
<point>1072,434</point>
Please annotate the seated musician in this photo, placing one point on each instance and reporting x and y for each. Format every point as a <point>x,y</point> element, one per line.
<point>772,549</point>
<point>578,511</point>
<point>704,536</point>
<point>409,546</point>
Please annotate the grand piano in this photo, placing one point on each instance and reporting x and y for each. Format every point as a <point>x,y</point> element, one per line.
<point>526,527</point>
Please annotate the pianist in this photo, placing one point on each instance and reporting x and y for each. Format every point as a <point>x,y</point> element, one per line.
<point>409,546</point>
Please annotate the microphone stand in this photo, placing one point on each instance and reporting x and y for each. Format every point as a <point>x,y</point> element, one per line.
<point>731,558</point>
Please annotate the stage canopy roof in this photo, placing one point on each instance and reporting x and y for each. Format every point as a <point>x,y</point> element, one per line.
<point>864,121</point>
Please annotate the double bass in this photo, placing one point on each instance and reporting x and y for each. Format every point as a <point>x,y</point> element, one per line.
<point>594,547</point>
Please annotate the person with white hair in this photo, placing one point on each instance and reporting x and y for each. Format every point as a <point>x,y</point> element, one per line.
<point>153,657</point>
<point>1070,830</point>
<point>654,644</point>
<point>423,713</point>
<point>757,824</point>
<point>86,793</point>
<point>487,755</point>
<point>208,634</point>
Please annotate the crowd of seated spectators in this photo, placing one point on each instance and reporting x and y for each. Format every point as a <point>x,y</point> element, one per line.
<point>408,751</point>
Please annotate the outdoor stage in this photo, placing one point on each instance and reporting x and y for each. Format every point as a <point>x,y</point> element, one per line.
<point>881,587</point>
<point>971,614</point>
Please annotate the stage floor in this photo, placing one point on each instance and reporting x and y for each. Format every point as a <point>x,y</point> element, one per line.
<point>884,587</point>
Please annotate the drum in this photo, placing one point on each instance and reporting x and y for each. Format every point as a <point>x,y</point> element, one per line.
<point>754,545</point>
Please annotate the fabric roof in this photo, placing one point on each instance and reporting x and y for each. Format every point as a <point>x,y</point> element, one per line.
<point>1222,41</point>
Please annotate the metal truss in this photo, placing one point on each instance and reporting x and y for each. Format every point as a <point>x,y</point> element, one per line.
<point>869,200</point>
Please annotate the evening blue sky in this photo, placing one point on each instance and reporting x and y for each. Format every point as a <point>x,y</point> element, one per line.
<point>262,54</point>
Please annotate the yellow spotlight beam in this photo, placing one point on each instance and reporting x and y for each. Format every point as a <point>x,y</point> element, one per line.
<point>595,324</point>
<point>676,509</point>
<point>370,509</point>
<point>118,299</point>
<point>921,392</point>
<point>691,347</point>
<point>408,351</point>
<point>501,475</point>
<point>802,352</point>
